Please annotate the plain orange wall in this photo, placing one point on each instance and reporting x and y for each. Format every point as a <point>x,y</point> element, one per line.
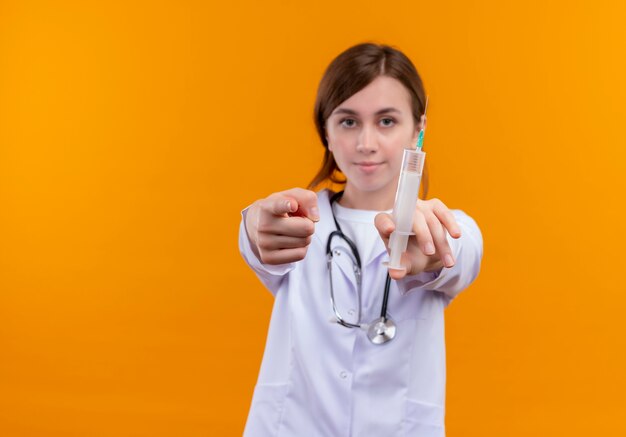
<point>133,133</point>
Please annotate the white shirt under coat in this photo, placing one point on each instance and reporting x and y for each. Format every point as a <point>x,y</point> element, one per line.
<point>319,378</point>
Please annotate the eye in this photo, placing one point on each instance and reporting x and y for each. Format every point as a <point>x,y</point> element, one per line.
<point>348,122</point>
<point>387,122</point>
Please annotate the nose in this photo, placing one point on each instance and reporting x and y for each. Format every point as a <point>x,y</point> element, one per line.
<point>367,141</point>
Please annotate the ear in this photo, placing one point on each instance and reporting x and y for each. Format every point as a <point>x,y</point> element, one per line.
<point>418,127</point>
<point>330,147</point>
<point>422,123</point>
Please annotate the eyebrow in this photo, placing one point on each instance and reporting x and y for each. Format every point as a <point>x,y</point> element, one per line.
<point>353,112</point>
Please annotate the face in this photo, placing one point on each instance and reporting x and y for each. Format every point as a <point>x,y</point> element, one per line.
<point>367,134</point>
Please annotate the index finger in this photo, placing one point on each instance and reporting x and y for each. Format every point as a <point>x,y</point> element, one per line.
<point>306,203</point>
<point>281,205</point>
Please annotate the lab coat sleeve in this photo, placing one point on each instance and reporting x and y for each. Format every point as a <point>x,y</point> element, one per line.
<point>270,275</point>
<point>468,252</point>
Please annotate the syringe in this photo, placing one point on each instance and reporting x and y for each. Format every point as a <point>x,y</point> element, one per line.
<point>406,200</point>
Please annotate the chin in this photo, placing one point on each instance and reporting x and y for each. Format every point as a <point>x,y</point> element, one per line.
<point>372,188</point>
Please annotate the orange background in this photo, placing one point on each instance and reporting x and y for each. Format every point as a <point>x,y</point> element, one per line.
<point>133,133</point>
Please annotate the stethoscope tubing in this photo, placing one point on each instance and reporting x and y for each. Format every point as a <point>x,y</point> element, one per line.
<point>357,261</point>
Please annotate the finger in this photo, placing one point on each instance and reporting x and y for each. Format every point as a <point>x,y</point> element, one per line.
<point>289,226</point>
<point>385,226</point>
<point>306,203</point>
<point>397,274</point>
<point>446,217</point>
<point>401,273</point>
<point>278,242</point>
<point>280,205</point>
<point>422,234</point>
<point>284,256</point>
<point>440,239</point>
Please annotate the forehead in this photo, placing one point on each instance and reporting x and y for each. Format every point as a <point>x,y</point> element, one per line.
<point>382,92</point>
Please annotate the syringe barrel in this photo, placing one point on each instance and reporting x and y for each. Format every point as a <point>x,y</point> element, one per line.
<point>405,203</point>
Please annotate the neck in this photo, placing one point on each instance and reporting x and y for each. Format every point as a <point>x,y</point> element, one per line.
<point>381,200</point>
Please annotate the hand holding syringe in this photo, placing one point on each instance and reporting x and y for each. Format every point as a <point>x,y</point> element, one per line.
<point>431,221</point>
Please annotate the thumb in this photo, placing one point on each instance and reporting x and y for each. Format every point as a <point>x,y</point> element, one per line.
<point>385,226</point>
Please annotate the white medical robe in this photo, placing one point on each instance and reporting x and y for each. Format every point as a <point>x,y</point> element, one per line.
<point>319,378</point>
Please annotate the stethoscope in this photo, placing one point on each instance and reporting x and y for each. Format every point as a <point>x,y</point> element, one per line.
<point>380,330</point>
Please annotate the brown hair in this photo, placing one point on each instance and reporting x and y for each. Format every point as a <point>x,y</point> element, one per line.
<point>349,73</point>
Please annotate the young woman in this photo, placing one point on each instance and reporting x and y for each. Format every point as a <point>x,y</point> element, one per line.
<point>329,368</point>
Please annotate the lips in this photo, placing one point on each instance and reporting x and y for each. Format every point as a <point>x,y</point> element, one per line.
<point>368,166</point>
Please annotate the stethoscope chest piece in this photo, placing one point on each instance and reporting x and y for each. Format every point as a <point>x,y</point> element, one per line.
<point>381,331</point>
